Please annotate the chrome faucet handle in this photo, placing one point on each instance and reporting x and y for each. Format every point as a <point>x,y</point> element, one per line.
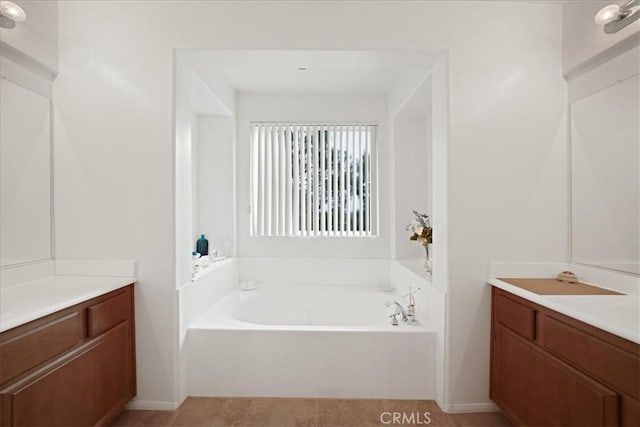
<point>411,314</point>
<point>394,321</point>
<point>410,294</point>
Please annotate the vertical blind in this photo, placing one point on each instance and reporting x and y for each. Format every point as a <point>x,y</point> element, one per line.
<point>312,179</point>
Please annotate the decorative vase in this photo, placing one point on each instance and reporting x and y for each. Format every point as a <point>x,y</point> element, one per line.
<point>428,263</point>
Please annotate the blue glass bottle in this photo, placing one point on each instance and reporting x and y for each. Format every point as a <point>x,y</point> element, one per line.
<point>202,245</point>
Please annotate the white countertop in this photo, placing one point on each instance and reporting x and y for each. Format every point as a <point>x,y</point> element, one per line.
<point>27,301</point>
<point>616,314</point>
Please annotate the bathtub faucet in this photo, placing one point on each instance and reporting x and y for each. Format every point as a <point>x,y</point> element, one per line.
<point>399,310</point>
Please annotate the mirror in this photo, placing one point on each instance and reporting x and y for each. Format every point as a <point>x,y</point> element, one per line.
<point>25,175</point>
<point>605,178</point>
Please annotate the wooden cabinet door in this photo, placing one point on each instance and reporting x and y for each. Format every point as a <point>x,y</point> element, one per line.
<point>86,388</point>
<point>536,389</point>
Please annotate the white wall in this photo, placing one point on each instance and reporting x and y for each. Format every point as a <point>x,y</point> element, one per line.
<point>299,270</point>
<point>412,182</point>
<point>215,180</point>
<point>37,36</point>
<point>584,40</point>
<point>195,180</point>
<point>312,108</point>
<point>507,166</point>
<point>185,142</point>
<point>209,95</point>
<point>413,162</point>
<point>507,174</point>
<point>193,98</point>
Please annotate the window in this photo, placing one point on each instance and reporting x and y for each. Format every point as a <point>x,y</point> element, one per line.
<point>313,180</point>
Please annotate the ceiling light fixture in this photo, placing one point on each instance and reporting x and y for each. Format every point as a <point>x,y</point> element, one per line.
<point>302,68</point>
<point>614,18</point>
<point>10,13</point>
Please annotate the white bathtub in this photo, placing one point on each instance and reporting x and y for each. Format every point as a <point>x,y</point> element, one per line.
<point>309,341</point>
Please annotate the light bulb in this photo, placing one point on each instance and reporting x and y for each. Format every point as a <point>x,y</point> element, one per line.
<point>12,11</point>
<point>607,14</point>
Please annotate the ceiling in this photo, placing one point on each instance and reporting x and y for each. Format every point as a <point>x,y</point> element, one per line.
<point>346,72</point>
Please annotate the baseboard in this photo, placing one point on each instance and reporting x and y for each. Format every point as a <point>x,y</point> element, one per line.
<point>152,405</point>
<point>455,408</point>
<point>463,408</point>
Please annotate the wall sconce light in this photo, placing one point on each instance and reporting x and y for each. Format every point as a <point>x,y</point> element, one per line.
<point>10,13</point>
<point>614,18</point>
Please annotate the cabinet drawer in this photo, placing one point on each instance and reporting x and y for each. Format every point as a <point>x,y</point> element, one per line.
<point>600,359</point>
<point>35,345</point>
<point>107,314</point>
<point>515,316</point>
<point>86,387</point>
<point>537,389</point>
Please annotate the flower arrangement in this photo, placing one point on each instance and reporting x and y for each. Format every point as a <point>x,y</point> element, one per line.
<point>422,232</point>
<point>420,228</point>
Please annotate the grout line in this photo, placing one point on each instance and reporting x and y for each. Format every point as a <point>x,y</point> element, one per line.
<point>246,415</point>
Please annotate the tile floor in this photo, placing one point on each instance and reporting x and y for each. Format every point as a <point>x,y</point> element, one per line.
<point>267,412</point>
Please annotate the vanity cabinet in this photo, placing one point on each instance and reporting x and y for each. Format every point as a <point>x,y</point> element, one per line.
<point>548,369</point>
<point>70,368</point>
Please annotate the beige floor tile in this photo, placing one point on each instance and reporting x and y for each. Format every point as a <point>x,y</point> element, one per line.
<point>143,418</point>
<point>267,412</point>
<point>210,411</point>
<point>487,419</point>
<point>417,413</point>
<point>349,412</point>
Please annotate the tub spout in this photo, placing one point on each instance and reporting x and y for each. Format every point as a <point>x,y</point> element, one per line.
<point>399,309</point>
